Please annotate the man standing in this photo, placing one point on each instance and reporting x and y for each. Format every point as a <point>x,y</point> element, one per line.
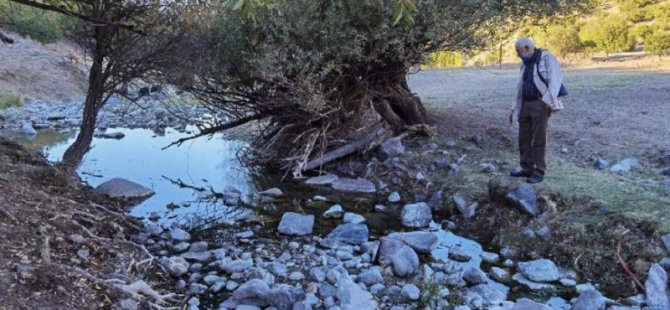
<point>537,97</point>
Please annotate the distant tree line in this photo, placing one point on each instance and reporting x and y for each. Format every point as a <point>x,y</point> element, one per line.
<point>625,25</point>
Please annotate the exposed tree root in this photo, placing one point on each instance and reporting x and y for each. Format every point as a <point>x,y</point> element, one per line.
<point>623,264</point>
<point>141,287</point>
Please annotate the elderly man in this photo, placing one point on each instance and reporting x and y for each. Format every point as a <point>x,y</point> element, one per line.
<point>536,99</point>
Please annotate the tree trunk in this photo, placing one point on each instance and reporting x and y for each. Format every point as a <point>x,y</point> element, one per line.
<point>74,154</point>
<point>76,151</point>
<point>398,106</point>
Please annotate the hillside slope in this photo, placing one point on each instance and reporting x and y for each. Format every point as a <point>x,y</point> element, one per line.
<point>42,72</point>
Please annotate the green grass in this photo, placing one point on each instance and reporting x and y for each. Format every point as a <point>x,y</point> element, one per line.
<point>40,25</point>
<point>624,194</point>
<point>8,100</point>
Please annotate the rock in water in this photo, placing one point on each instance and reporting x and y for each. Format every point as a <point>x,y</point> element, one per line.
<point>295,224</point>
<point>324,180</point>
<point>416,215</point>
<point>122,188</point>
<point>354,186</point>
<point>27,129</point>
<point>524,198</point>
<point>111,135</point>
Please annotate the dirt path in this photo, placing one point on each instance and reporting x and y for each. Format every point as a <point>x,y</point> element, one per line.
<point>613,113</point>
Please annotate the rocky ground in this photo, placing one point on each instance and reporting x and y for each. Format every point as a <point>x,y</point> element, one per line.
<point>62,246</point>
<point>566,244</point>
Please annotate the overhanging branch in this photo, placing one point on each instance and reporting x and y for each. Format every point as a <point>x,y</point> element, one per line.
<point>222,127</point>
<point>70,12</point>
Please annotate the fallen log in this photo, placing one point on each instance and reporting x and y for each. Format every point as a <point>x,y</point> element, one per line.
<point>366,143</point>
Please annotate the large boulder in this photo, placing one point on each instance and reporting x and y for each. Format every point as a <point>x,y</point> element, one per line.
<point>491,295</point>
<point>284,297</point>
<point>177,266</point>
<point>295,224</point>
<point>589,300</point>
<point>527,304</point>
<point>388,248</point>
<point>27,129</point>
<point>122,188</point>
<point>348,233</point>
<point>524,198</point>
<point>405,262</point>
<point>391,148</point>
<point>421,241</point>
<point>236,266</point>
<point>178,234</point>
<point>657,287</point>
<point>541,270</point>
<point>253,292</point>
<point>324,180</point>
<point>625,165</point>
<point>666,242</point>
<point>361,186</point>
<point>416,215</point>
<point>352,296</point>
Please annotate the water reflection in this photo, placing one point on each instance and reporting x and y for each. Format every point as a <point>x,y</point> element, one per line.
<point>139,157</point>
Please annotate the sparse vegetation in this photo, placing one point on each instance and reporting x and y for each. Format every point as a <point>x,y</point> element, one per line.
<point>45,27</point>
<point>9,99</point>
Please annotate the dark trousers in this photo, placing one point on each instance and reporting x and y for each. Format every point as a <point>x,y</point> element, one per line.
<point>533,120</point>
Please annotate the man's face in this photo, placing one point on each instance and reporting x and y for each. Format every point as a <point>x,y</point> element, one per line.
<point>526,51</point>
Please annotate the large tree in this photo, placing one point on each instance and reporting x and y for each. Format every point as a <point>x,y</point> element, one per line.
<point>316,75</point>
<point>124,40</point>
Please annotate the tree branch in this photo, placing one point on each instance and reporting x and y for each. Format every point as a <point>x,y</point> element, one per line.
<point>70,12</point>
<point>222,127</point>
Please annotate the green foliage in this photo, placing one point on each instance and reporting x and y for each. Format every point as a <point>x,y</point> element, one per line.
<point>641,32</point>
<point>318,71</point>
<point>45,27</point>
<point>563,39</point>
<point>445,59</point>
<point>8,99</point>
<point>607,33</point>
<point>658,43</point>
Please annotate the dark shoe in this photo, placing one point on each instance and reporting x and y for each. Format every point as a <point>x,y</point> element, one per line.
<point>534,179</point>
<point>520,174</point>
